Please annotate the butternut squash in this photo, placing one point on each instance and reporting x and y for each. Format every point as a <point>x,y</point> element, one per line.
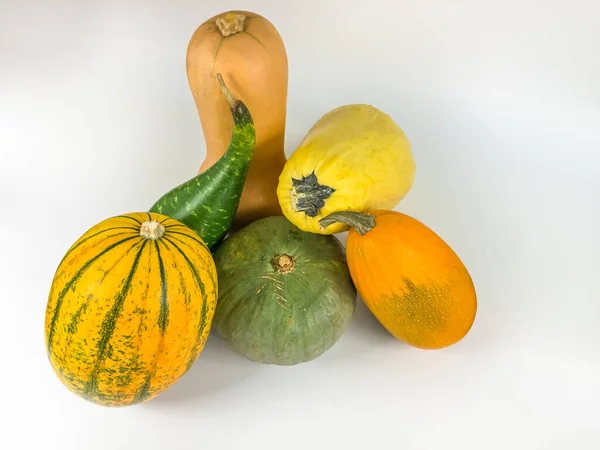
<point>250,54</point>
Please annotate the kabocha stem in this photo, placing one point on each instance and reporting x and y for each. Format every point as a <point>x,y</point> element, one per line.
<point>231,23</point>
<point>283,263</point>
<point>362,223</point>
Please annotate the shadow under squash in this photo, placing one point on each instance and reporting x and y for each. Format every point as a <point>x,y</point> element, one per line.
<point>365,336</point>
<point>367,325</point>
<point>217,368</point>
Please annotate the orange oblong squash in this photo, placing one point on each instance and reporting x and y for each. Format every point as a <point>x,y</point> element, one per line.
<point>250,54</point>
<point>410,279</point>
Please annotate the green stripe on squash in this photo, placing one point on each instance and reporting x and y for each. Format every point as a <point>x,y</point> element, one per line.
<point>126,318</point>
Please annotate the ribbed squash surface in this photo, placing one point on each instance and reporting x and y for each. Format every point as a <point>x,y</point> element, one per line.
<point>127,316</point>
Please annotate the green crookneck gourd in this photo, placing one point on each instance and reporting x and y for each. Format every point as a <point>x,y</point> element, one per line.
<point>207,203</point>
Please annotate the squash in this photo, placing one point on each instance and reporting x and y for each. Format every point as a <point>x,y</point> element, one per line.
<point>130,308</point>
<point>410,279</point>
<point>248,50</point>
<point>354,158</point>
<point>207,202</point>
<point>285,296</point>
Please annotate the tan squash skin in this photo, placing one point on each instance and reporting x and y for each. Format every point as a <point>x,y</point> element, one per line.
<point>254,65</point>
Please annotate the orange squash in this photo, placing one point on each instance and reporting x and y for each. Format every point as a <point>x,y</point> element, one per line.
<point>250,54</point>
<point>410,279</point>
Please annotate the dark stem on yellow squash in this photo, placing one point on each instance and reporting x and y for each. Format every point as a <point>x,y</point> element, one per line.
<point>362,223</point>
<point>308,196</point>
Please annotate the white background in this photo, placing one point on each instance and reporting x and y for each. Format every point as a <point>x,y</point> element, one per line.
<point>501,103</point>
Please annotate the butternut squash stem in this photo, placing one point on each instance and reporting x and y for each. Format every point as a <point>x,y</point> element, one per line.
<point>230,23</point>
<point>233,102</point>
<point>362,223</point>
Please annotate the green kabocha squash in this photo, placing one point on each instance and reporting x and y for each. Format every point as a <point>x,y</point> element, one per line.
<point>285,295</point>
<point>207,203</point>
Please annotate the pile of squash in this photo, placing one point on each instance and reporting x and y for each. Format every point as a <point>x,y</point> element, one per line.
<point>248,246</point>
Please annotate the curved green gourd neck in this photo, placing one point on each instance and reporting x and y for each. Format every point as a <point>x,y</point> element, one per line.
<point>243,137</point>
<point>208,202</point>
<point>362,223</point>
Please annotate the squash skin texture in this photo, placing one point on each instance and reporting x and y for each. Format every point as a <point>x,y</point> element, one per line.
<point>412,281</point>
<point>127,316</point>
<point>282,318</point>
<point>361,154</point>
<point>254,65</point>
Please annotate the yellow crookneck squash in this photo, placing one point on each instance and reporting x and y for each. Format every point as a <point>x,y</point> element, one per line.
<point>130,308</point>
<point>355,158</point>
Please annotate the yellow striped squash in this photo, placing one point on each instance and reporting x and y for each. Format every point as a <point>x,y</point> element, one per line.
<point>130,308</point>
